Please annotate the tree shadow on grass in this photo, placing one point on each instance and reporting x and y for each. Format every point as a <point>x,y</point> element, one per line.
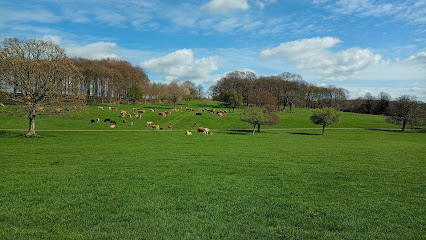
<point>415,130</point>
<point>307,134</point>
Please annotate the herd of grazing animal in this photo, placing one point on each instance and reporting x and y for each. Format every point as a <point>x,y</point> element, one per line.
<point>137,113</point>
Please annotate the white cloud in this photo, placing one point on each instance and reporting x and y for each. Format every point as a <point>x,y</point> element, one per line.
<point>300,47</point>
<point>52,38</point>
<point>312,54</point>
<point>418,58</point>
<point>224,6</point>
<point>263,3</point>
<point>99,50</point>
<point>181,64</point>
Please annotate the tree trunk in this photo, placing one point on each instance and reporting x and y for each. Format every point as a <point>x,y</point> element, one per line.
<point>254,129</point>
<point>323,127</point>
<point>258,127</point>
<point>31,130</point>
<point>403,125</point>
<point>233,110</point>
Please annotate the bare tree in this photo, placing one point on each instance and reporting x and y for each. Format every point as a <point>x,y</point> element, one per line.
<point>38,73</point>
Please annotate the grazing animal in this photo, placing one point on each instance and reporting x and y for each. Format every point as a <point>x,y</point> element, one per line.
<point>98,120</point>
<point>156,127</point>
<point>162,114</point>
<point>1,105</point>
<point>131,124</point>
<point>136,109</point>
<point>195,125</point>
<point>58,110</point>
<point>107,120</point>
<point>203,130</point>
<point>188,133</point>
<point>198,114</point>
<point>141,111</point>
<point>124,121</point>
<point>112,126</point>
<point>148,124</point>
<point>109,108</point>
<point>100,108</point>
<point>152,110</point>
<point>211,133</point>
<point>92,121</point>
<point>219,114</point>
<point>113,122</point>
<point>170,127</point>
<point>38,108</point>
<point>114,109</point>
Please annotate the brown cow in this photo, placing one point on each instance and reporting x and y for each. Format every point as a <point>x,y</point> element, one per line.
<point>141,111</point>
<point>136,109</point>
<point>170,127</point>
<point>1,105</point>
<point>162,114</point>
<point>58,110</point>
<point>148,124</point>
<point>100,108</point>
<point>124,121</point>
<point>114,109</point>
<point>152,110</point>
<point>156,127</point>
<point>203,130</point>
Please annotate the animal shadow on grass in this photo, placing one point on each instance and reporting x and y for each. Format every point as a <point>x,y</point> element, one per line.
<point>307,134</point>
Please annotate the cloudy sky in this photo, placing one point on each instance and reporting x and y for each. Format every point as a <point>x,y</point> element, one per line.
<point>361,45</point>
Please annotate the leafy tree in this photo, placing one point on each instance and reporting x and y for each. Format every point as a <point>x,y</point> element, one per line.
<point>40,75</point>
<point>135,93</point>
<point>233,99</point>
<point>188,97</point>
<point>257,116</point>
<point>176,91</point>
<point>406,110</point>
<point>325,117</point>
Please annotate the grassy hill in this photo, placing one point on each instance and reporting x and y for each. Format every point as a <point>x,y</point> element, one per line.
<point>184,120</point>
<point>286,184</point>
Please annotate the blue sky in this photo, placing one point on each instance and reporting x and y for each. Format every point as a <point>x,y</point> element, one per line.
<point>361,45</point>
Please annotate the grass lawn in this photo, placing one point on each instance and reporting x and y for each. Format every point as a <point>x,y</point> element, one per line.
<point>287,184</point>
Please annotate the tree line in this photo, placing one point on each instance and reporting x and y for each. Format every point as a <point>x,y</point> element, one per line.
<point>287,90</point>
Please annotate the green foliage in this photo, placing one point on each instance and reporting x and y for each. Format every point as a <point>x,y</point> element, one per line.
<point>135,93</point>
<point>257,116</point>
<point>188,97</point>
<point>232,99</point>
<point>325,117</point>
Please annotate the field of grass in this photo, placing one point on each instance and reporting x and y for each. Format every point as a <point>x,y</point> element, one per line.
<point>184,120</point>
<point>287,184</point>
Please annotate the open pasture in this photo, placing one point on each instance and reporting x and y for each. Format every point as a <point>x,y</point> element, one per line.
<point>182,120</point>
<point>287,184</point>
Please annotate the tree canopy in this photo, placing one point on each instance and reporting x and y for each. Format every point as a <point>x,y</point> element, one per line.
<point>325,117</point>
<point>258,116</point>
<point>406,110</point>
<point>39,74</point>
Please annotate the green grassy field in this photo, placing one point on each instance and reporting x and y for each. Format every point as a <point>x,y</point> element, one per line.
<point>279,184</point>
